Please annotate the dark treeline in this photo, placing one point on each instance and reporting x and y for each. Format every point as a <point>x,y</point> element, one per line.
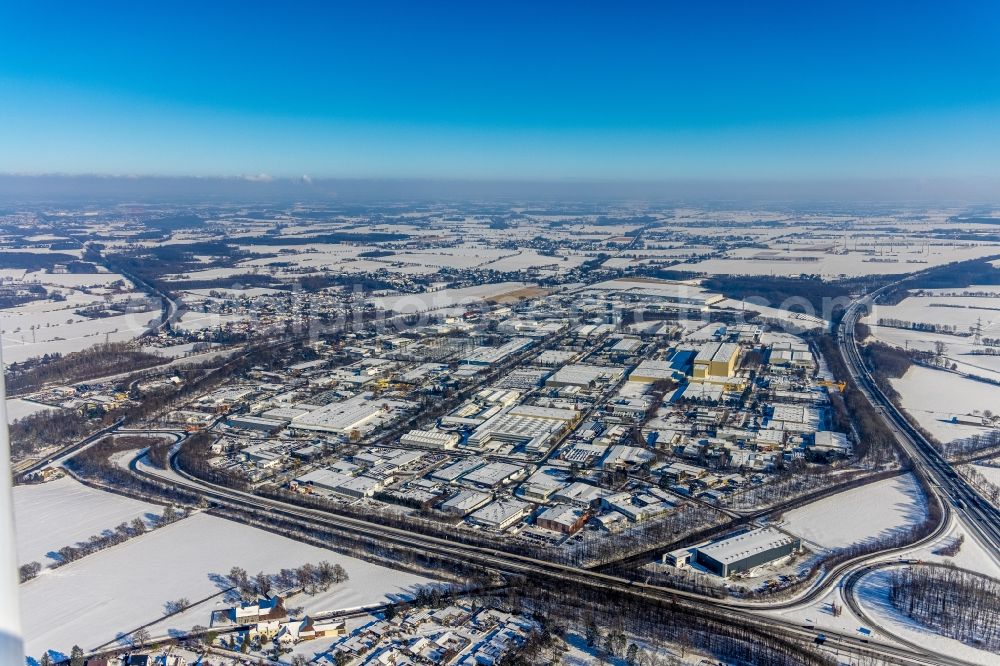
<point>603,613</point>
<point>957,603</point>
<point>962,448</point>
<point>159,453</point>
<point>34,261</point>
<point>112,537</point>
<point>99,361</point>
<point>310,578</point>
<point>818,294</point>
<point>959,274</point>
<point>94,464</point>
<point>875,442</point>
<point>35,431</point>
<point>193,457</point>
<point>885,363</point>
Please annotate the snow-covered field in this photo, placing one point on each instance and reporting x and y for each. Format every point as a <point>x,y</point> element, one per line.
<point>933,397</point>
<point>45,327</point>
<point>873,593</point>
<point>197,321</point>
<point>858,515</point>
<point>102,596</point>
<point>443,298</point>
<point>18,408</point>
<point>992,474</point>
<point>959,349</point>
<point>61,512</point>
<point>903,259</point>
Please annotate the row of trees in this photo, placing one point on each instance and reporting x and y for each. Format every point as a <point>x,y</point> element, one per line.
<point>969,445</point>
<point>875,443</point>
<point>986,488</point>
<point>923,326</point>
<point>94,464</point>
<point>311,578</point>
<point>957,603</point>
<point>98,361</point>
<point>43,429</point>
<point>120,534</point>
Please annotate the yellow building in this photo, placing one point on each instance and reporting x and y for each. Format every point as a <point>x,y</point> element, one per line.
<point>716,360</point>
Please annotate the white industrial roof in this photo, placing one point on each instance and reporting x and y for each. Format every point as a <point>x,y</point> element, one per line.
<point>744,545</point>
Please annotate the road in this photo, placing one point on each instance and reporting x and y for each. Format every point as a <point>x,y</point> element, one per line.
<point>850,594</point>
<point>981,517</point>
<point>944,482</point>
<point>717,609</point>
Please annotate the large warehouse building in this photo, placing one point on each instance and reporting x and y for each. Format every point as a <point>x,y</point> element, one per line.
<point>746,551</point>
<point>716,360</point>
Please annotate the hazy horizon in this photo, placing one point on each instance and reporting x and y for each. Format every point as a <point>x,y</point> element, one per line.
<point>727,92</point>
<point>56,188</point>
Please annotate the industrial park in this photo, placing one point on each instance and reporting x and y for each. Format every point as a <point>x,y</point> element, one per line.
<point>499,334</point>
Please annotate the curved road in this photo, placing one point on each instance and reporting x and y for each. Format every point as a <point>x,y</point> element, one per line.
<point>720,610</point>
<point>976,513</point>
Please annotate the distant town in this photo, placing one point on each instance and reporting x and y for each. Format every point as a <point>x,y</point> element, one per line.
<point>345,435</point>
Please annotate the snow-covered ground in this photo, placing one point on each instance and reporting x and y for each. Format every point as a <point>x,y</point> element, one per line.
<point>64,511</point>
<point>18,408</point>
<point>873,594</point>
<point>27,334</point>
<point>102,596</point>
<point>830,264</point>
<point>443,298</point>
<point>933,397</point>
<point>971,556</point>
<point>858,515</point>
<point>991,473</point>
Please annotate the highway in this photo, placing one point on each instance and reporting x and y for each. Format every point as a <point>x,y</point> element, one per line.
<point>944,481</point>
<point>981,517</point>
<point>728,611</point>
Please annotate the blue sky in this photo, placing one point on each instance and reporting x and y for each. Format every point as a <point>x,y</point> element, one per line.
<point>602,90</point>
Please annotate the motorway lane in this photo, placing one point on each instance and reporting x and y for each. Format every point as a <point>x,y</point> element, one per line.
<point>522,565</point>
<point>850,594</point>
<point>977,514</point>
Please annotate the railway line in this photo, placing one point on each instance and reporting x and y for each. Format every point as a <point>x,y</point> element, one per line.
<point>722,610</point>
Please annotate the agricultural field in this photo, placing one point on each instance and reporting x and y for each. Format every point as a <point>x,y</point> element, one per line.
<point>61,512</point>
<point>83,602</point>
<point>936,397</point>
<point>857,515</point>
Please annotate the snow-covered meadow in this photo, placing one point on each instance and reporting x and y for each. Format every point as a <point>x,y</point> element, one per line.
<point>933,397</point>
<point>103,596</point>
<point>61,512</point>
<point>858,515</point>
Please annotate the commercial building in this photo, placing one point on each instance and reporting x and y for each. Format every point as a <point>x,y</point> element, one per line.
<point>452,472</point>
<point>486,356</point>
<point>584,376</point>
<point>431,438</point>
<point>541,485</point>
<point>500,514</point>
<point>746,551</point>
<point>526,425</point>
<point>465,502</point>
<point>256,423</point>
<point>494,474</point>
<point>361,413</point>
<point>650,371</point>
<point>716,360</point>
<point>563,518</point>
